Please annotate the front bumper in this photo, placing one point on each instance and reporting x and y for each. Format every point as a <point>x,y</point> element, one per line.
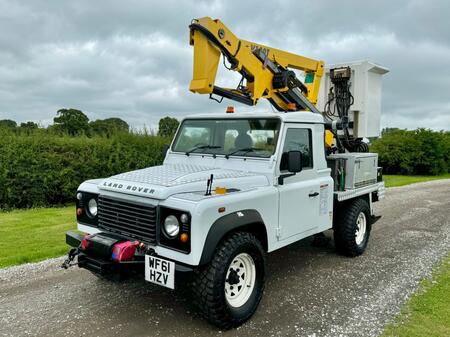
<point>105,267</point>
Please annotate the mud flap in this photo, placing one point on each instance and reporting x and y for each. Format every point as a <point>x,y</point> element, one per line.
<point>374,218</point>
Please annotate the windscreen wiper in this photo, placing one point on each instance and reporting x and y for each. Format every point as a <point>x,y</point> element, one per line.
<point>200,147</point>
<point>245,150</point>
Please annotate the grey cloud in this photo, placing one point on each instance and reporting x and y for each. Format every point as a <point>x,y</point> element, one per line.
<point>132,58</point>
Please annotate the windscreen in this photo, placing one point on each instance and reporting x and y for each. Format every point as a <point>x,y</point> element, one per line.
<point>253,137</point>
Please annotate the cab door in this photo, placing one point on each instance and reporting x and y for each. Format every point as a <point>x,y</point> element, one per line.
<point>299,194</point>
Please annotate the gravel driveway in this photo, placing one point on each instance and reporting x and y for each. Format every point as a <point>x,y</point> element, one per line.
<point>310,290</point>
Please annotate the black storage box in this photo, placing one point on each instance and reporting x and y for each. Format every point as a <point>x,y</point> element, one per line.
<point>101,244</point>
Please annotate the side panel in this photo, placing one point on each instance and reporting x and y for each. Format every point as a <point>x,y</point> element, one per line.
<point>298,210</point>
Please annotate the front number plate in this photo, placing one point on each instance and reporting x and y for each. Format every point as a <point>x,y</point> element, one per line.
<point>160,271</point>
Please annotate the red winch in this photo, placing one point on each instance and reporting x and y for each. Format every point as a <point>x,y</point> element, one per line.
<point>124,251</point>
<point>109,246</point>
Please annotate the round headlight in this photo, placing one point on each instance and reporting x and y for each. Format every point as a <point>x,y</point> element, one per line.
<point>171,226</point>
<point>92,207</point>
<point>184,218</point>
<point>79,196</point>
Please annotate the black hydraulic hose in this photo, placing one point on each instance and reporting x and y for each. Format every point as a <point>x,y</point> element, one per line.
<point>210,36</point>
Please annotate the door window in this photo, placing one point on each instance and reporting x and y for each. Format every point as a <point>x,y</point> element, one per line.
<point>298,140</point>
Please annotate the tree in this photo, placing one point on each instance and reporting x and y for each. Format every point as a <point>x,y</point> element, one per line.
<point>109,126</point>
<point>71,121</point>
<point>118,124</point>
<point>8,123</point>
<point>29,125</point>
<point>420,151</point>
<point>167,127</point>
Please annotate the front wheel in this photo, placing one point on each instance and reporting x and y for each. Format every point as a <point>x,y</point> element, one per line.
<point>229,289</point>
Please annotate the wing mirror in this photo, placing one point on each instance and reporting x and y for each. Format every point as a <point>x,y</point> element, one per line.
<point>294,165</point>
<point>294,161</point>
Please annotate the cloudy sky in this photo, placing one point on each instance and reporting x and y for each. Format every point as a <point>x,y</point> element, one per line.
<point>132,59</point>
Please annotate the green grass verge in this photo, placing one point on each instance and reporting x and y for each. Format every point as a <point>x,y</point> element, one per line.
<point>428,312</point>
<point>34,234</point>
<point>398,180</point>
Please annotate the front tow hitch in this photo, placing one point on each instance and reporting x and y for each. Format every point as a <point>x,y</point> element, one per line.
<point>70,257</point>
<point>73,239</point>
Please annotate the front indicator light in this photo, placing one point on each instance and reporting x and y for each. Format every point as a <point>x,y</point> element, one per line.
<point>79,211</point>
<point>184,238</point>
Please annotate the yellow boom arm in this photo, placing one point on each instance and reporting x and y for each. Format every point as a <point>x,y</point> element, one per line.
<point>265,69</point>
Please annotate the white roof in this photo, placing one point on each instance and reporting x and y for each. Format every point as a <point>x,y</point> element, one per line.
<point>369,65</point>
<point>297,116</point>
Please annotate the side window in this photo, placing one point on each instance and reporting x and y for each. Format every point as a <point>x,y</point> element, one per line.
<point>298,140</point>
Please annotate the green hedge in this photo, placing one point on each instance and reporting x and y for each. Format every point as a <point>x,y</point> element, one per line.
<point>43,169</point>
<point>416,152</point>
<point>40,168</point>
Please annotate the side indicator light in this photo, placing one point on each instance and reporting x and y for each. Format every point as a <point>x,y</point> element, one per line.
<point>220,190</point>
<point>221,209</point>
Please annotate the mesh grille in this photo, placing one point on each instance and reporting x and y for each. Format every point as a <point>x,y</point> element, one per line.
<point>132,220</point>
<point>365,183</point>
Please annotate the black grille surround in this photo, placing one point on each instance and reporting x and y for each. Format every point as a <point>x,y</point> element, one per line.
<point>126,218</point>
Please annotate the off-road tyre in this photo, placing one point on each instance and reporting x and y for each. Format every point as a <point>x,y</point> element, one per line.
<point>209,281</point>
<point>346,227</point>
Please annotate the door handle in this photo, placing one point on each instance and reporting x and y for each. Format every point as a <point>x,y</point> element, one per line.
<point>315,194</point>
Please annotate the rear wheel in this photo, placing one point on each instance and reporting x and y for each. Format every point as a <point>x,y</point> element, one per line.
<point>229,289</point>
<point>352,228</point>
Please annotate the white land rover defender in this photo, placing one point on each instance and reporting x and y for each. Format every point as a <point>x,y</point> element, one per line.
<point>233,187</point>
